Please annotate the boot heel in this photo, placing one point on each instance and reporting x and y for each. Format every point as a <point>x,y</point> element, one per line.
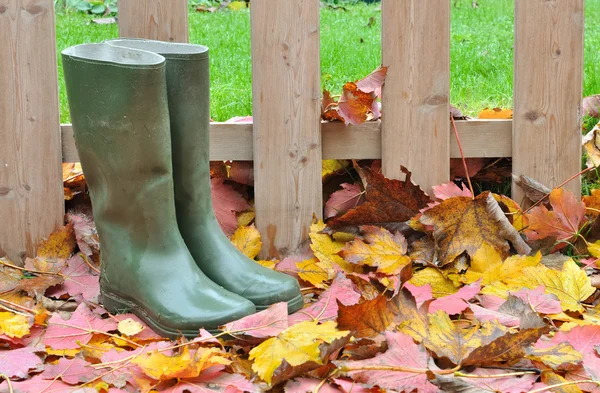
<point>113,305</point>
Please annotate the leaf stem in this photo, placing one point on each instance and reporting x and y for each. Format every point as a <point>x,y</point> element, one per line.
<point>513,374</point>
<point>546,388</point>
<point>5,377</point>
<point>462,155</point>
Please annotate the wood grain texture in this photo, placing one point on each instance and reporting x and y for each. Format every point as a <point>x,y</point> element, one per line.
<point>31,193</point>
<point>286,114</point>
<point>547,92</point>
<point>233,141</point>
<point>415,122</point>
<point>154,19</point>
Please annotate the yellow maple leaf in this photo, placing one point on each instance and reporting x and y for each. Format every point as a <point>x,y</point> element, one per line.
<point>14,325</point>
<point>313,271</point>
<point>594,249</point>
<point>487,265</point>
<point>325,248</point>
<point>59,244</point>
<point>247,240</point>
<point>268,264</point>
<point>246,217</point>
<point>519,221</point>
<point>440,284</point>
<point>380,249</point>
<point>571,285</point>
<point>301,343</point>
<point>331,166</point>
<point>161,367</point>
<point>557,356</point>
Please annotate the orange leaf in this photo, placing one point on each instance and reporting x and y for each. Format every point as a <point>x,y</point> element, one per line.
<point>496,113</point>
<point>354,104</point>
<point>462,224</point>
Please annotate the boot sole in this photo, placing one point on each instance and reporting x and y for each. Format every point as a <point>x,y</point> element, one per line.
<point>117,305</point>
<point>294,305</point>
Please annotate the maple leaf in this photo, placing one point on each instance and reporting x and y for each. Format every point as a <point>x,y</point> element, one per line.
<point>354,104</point>
<point>515,213</point>
<point>19,362</point>
<point>463,224</point>
<point>440,284</point>
<point>513,312</point>
<point>495,113</point>
<point>329,108</point>
<point>77,330</point>
<point>341,201</point>
<point>266,323</point>
<point>483,380</point>
<point>457,302</point>
<point>212,382</point>
<point>402,367</point>
<point>449,190</point>
<point>247,240</point>
<point>592,202</point>
<point>325,248</point>
<point>38,384</point>
<point>130,327</point>
<point>144,334</point>
<point>590,105</point>
<point>304,344</point>
<point>388,201</point>
<point>558,357</point>
<point>85,234</point>
<point>314,271</point>
<point>329,167</point>
<point>373,81</point>
<point>37,286</point>
<point>309,385</point>
<point>380,249</point>
<point>421,294</point>
<point>72,371</point>
<point>163,367</point>
<point>226,201</point>
<point>9,277</point>
<point>14,325</point>
<point>582,339</point>
<point>79,279</point>
<point>562,223</point>
<point>457,168</point>
<point>59,245</point>
<point>373,317</point>
<point>341,290</point>
<point>571,285</point>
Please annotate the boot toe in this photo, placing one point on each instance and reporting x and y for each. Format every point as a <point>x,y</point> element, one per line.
<point>284,288</point>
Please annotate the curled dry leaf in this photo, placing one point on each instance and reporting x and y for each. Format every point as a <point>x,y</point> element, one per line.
<point>462,224</point>
<point>343,200</point>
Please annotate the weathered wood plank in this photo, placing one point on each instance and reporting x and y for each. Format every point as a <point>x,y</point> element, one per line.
<point>286,114</point>
<point>31,193</point>
<point>547,92</point>
<point>154,19</point>
<point>416,47</point>
<point>233,141</point>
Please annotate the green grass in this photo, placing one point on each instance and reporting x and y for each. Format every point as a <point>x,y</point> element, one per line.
<point>481,52</point>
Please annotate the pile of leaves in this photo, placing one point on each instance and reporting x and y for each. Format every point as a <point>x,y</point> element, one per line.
<point>403,293</point>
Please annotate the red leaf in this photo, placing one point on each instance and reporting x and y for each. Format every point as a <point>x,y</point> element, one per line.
<point>263,324</point>
<point>341,289</point>
<point>213,382</point>
<point>63,334</point>
<point>563,222</point>
<point>353,387</point>
<point>403,353</point>
<point>457,302</point>
<point>590,105</point>
<point>38,384</point>
<point>373,81</point>
<point>583,339</point>
<point>457,168</point>
<point>72,371</point>
<point>18,362</point>
<point>85,234</point>
<point>539,300</point>
<point>354,104</point>
<point>449,190</point>
<point>341,201</point>
<point>421,293</point>
<point>79,279</point>
<point>309,385</point>
<point>226,201</point>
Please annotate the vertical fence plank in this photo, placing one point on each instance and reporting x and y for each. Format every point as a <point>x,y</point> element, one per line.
<point>286,110</point>
<point>415,121</point>
<point>31,193</point>
<point>154,19</point>
<point>547,92</point>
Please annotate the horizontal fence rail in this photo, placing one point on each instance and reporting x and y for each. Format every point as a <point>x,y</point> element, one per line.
<point>234,141</point>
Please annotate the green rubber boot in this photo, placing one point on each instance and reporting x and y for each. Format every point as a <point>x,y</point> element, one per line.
<point>118,102</point>
<point>188,92</point>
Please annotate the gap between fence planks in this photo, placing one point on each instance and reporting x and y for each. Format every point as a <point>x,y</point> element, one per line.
<point>415,44</point>
<point>31,193</point>
<point>234,141</point>
<point>154,19</point>
<point>547,94</point>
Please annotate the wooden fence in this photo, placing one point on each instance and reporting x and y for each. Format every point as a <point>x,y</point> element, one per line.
<point>287,140</point>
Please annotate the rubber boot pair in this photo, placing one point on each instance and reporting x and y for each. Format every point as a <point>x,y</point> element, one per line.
<point>140,114</point>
